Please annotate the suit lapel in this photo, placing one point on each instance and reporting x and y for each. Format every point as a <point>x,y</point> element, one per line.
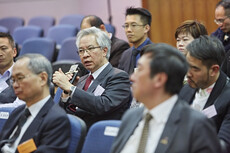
<point>100,78</point>
<point>219,86</point>
<point>82,81</point>
<point>35,125</point>
<point>170,129</point>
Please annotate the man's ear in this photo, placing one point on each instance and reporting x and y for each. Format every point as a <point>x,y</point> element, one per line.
<point>147,28</point>
<point>44,78</point>
<point>160,79</point>
<point>14,52</point>
<point>102,27</point>
<point>214,69</point>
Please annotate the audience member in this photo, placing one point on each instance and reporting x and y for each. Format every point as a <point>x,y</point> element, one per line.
<point>187,32</point>
<point>41,126</point>
<point>208,88</point>
<point>222,14</point>
<point>7,54</point>
<point>166,124</point>
<point>137,25</point>
<point>118,46</point>
<point>107,96</point>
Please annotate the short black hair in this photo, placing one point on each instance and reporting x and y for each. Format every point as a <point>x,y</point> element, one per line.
<point>169,60</point>
<point>208,49</point>
<point>146,16</point>
<point>9,37</point>
<point>93,21</point>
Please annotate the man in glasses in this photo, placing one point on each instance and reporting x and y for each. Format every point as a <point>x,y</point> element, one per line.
<point>137,25</point>
<point>102,94</point>
<point>41,126</point>
<point>118,46</point>
<point>222,19</point>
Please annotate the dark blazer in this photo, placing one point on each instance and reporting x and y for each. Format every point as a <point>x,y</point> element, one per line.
<point>118,46</point>
<point>226,63</point>
<point>8,95</point>
<point>50,129</point>
<point>125,61</point>
<point>186,131</point>
<point>220,97</point>
<point>113,102</point>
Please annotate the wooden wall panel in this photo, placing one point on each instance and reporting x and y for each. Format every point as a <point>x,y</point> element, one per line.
<point>169,14</point>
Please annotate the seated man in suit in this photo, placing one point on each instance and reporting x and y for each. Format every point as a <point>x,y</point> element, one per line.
<point>118,46</point>
<point>7,53</point>
<point>137,25</point>
<point>108,95</point>
<point>208,88</point>
<point>166,124</point>
<point>42,126</point>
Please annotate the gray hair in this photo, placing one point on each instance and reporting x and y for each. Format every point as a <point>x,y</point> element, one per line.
<point>37,64</point>
<point>101,37</point>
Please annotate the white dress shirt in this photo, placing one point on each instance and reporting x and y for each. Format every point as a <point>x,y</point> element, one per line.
<point>34,110</point>
<point>6,75</point>
<point>156,126</point>
<point>201,98</point>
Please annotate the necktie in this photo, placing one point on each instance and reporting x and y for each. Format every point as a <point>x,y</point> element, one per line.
<point>21,122</point>
<point>135,52</point>
<point>88,81</point>
<point>144,136</point>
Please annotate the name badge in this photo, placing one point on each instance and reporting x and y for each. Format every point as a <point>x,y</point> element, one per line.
<point>210,111</point>
<point>99,90</point>
<point>27,146</point>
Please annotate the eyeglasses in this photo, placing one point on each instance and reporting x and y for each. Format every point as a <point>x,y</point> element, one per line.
<point>87,50</point>
<point>132,26</point>
<point>220,21</point>
<point>20,78</point>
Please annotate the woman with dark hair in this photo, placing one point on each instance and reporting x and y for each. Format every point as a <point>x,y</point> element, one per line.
<point>187,32</point>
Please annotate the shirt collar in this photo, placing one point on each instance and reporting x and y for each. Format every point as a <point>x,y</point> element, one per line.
<point>143,44</point>
<point>162,111</point>
<point>96,73</point>
<point>35,108</point>
<point>206,92</point>
<point>7,74</point>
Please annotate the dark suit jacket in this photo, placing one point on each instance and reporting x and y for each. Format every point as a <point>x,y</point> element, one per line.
<point>8,95</point>
<point>113,102</point>
<point>50,129</point>
<point>220,97</point>
<point>118,46</point>
<point>125,61</point>
<point>226,63</point>
<point>186,130</point>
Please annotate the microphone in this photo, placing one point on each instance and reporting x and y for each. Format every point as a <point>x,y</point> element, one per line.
<point>73,70</point>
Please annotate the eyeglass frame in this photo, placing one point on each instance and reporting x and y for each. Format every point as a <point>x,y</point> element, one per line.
<point>20,78</point>
<point>220,21</point>
<point>132,25</point>
<point>87,50</point>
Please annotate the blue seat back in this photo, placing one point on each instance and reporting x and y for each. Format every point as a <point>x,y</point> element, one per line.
<point>60,32</point>
<point>4,29</point>
<point>44,22</point>
<point>4,115</point>
<point>68,50</point>
<point>78,132</point>
<point>100,136</point>
<point>42,46</point>
<point>72,19</point>
<point>110,28</point>
<point>21,34</point>
<point>11,23</point>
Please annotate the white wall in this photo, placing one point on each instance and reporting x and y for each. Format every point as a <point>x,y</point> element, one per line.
<point>59,8</point>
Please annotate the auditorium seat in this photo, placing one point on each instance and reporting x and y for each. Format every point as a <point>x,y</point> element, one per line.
<point>3,29</point>
<point>21,34</point>
<point>42,46</point>
<point>11,23</point>
<point>45,22</point>
<point>110,28</point>
<point>78,132</point>
<point>72,19</point>
<point>100,136</point>
<point>59,33</point>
